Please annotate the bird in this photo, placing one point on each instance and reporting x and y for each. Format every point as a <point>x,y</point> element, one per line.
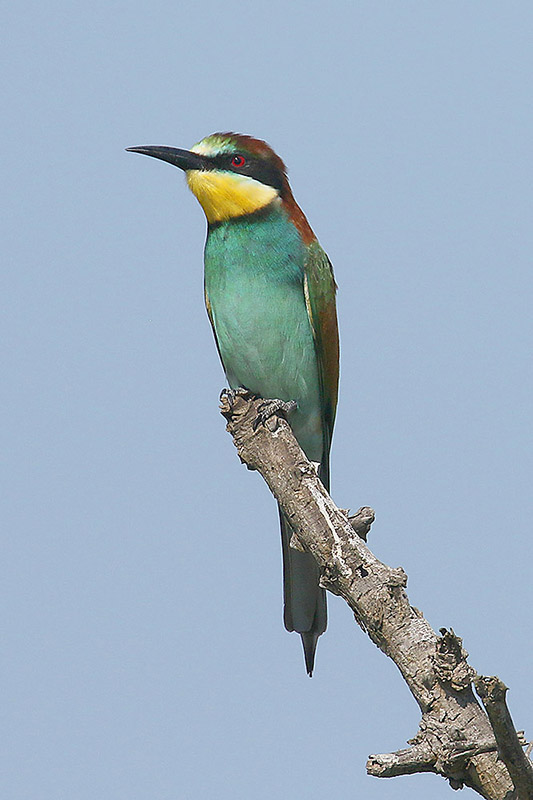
<point>270,295</point>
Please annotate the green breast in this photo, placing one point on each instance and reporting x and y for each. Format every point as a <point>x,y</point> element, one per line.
<point>254,269</point>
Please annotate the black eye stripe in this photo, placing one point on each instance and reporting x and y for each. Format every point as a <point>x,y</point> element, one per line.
<point>257,168</point>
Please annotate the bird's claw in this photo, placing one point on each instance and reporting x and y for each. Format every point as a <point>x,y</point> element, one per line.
<point>270,408</point>
<point>228,396</point>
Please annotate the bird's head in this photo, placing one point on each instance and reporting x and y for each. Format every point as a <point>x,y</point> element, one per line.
<point>232,175</point>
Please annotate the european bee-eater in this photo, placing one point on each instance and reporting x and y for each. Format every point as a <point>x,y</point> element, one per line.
<point>270,297</point>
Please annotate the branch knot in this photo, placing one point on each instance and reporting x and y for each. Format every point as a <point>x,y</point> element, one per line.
<point>450,661</point>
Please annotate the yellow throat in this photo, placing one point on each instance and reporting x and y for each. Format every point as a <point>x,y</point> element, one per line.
<point>224,195</point>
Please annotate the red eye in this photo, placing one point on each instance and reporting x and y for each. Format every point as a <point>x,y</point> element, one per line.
<point>238,161</point>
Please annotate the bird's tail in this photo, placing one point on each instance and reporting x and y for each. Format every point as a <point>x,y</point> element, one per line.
<point>305,609</point>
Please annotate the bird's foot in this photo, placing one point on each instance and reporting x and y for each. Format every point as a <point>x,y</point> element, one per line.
<point>271,408</point>
<point>228,396</point>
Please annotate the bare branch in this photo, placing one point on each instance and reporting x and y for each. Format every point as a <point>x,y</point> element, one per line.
<point>492,692</point>
<point>404,762</point>
<point>455,738</point>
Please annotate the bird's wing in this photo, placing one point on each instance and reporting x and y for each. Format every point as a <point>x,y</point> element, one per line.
<point>320,288</point>
<point>211,320</point>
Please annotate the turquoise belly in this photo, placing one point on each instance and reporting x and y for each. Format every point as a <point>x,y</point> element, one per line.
<point>254,282</point>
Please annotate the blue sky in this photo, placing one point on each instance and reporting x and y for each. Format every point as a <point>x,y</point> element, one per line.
<point>144,652</point>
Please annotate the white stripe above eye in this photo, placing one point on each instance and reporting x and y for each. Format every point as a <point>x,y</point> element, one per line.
<point>213,146</point>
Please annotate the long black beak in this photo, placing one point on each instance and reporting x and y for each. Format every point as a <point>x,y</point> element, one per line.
<point>183,159</point>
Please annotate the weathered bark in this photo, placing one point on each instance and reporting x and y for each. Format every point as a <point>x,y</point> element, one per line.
<point>492,692</point>
<point>455,738</point>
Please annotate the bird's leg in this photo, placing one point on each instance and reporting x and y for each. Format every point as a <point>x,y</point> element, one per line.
<point>269,408</point>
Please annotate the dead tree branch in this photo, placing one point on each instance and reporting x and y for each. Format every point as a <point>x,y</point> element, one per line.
<point>455,738</point>
<point>492,692</point>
